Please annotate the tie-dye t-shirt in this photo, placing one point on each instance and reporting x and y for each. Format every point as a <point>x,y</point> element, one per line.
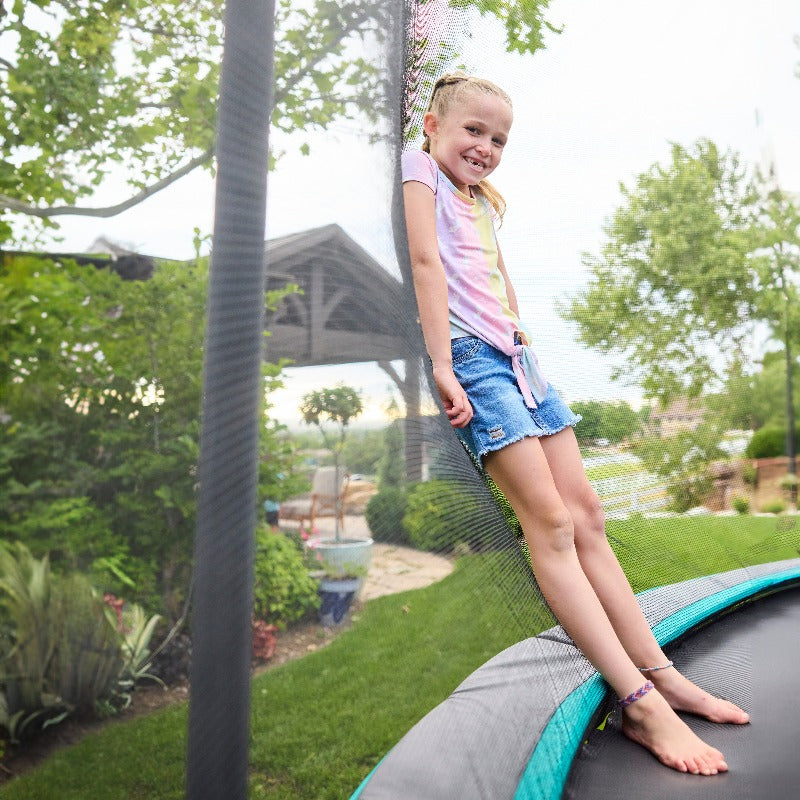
<point>476,289</point>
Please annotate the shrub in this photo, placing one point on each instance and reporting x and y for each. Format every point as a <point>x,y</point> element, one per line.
<point>65,651</point>
<point>440,514</point>
<point>750,475</point>
<point>384,513</point>
<point>88,655</point>
<point>773,507</point>
<point>741,505</point>
<point>789,482</point>
<point>769,442</point>
<point>392,465</point>
<point>283,591</point>
<point>506,509</point>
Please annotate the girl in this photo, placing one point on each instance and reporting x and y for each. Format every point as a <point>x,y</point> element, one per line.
<point>518,427</point>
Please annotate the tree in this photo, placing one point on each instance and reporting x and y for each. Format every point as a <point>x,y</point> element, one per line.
<point>673,289</point>
<point>611,421</point>
<point>92,86</point>
<point>392,467</point>
<point>778,298</point>
<point>100,410</point>
<point>336,407</point>
<point>754,400</point>
<point>683,461</point>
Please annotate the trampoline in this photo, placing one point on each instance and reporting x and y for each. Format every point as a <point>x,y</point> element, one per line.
<point>749,656</point>
<point>525,725</point>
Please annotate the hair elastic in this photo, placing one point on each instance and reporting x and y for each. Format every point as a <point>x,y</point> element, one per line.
<point>624,702</point>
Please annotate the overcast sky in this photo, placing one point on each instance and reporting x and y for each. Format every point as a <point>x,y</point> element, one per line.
<point>597,107</point>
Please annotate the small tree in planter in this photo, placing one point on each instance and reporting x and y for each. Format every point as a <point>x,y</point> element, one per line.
<point>331,411</point>
<point>345,561</point>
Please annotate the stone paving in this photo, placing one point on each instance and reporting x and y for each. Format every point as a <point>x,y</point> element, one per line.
<point>392,568</point>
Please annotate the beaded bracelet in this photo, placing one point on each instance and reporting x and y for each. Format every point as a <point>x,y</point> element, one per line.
<point>624,702</point>
<point>656,669</point>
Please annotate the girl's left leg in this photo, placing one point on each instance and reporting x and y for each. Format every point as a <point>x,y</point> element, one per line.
<point>605,574</point>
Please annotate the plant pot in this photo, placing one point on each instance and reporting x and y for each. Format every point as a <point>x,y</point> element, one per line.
<point>347,558</point>
<point>337,595</point>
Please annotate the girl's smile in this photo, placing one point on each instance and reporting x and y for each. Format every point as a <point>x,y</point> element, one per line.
<point>467,142</point>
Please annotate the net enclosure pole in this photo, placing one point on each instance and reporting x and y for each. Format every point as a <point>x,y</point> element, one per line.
<point>219,710</point>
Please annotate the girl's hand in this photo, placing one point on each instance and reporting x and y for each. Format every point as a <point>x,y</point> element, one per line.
<point>454,398</point>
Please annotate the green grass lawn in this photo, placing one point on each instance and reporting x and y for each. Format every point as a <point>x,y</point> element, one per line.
<point>319,724</point>
<point>616,470</point>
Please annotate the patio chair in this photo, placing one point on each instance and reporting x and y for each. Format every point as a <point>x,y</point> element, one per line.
<point>321,502</point>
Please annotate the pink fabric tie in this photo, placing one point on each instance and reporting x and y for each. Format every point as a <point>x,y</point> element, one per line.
<point>529,376</point>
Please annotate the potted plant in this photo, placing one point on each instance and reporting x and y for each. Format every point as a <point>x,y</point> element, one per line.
<point>343,562</point>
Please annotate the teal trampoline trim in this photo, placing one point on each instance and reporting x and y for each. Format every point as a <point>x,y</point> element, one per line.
<point>357,793</point>
<point>678,623</point>
<point>562,735</point>
<point>559,742</point>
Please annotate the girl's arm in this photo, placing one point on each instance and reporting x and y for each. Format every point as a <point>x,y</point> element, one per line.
<point>510,293</point>
<point>430,285</point>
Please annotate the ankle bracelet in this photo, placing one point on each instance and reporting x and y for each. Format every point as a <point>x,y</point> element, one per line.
<point>656,669</point>
<point>624,702</point>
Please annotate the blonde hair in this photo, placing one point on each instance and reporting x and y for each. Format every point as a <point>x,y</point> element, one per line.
<point>447,91</point>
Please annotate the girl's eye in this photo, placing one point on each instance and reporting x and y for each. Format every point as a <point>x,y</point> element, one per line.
<point>499,142</point>
<point>472,129</point>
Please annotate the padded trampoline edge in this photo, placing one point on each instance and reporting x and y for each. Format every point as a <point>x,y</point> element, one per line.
<point>357,793</point>
<point>559,742</point>
<point>563,733</point>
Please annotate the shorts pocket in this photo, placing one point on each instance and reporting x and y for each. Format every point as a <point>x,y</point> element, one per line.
<point>463,348</point>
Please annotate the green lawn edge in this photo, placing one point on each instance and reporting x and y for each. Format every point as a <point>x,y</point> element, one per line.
<point>321,723</point>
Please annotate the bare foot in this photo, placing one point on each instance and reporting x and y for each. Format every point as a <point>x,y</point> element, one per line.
<point>683,695</point>
<point>651,723</point>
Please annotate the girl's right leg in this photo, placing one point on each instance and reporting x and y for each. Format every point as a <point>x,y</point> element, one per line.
<point>522,473</point>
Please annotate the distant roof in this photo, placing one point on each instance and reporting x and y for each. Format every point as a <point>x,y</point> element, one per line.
<point>129,266</point>
<point>350,309</point>
<point>681,409</point>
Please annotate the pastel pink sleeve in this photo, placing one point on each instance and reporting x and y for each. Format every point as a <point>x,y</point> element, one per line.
<point>416,165</point>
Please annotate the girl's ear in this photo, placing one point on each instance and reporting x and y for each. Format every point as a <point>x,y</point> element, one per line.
<point>429,123</point>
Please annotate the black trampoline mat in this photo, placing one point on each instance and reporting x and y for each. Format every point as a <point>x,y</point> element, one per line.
<point>751,657</point>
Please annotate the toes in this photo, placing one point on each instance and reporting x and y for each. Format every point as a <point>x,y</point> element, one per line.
<point>704,766</point>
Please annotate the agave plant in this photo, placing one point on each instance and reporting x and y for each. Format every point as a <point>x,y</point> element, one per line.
<point>137,631</point>
<point>88,657</point>
<point>28,638</point>
<point>65,648</point>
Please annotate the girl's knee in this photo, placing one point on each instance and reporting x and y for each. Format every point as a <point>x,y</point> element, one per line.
<point>595,515</point>
<point>590,519</point>
<point>554,530</point>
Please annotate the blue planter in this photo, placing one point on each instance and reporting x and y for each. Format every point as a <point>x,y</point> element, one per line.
<point>337,595</point>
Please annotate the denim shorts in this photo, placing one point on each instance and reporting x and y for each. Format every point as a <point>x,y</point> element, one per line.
<point>500,416</point>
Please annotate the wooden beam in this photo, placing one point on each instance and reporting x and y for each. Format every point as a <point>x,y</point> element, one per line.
<point>332,347</point>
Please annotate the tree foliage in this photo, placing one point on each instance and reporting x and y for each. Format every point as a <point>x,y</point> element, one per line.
<point>97,88</point>
<point>673,289</point>
<point>610,421</point>
<point>682,460</point>
<point>751,401</point>
<point>331,411</point>
<point>100,418</point>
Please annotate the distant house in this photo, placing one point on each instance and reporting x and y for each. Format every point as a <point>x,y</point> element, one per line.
<point>103,246</point>
<point>103,254</point>
<point>680,415</point>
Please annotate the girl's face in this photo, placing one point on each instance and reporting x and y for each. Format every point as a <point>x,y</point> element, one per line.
<point>467,142</point>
